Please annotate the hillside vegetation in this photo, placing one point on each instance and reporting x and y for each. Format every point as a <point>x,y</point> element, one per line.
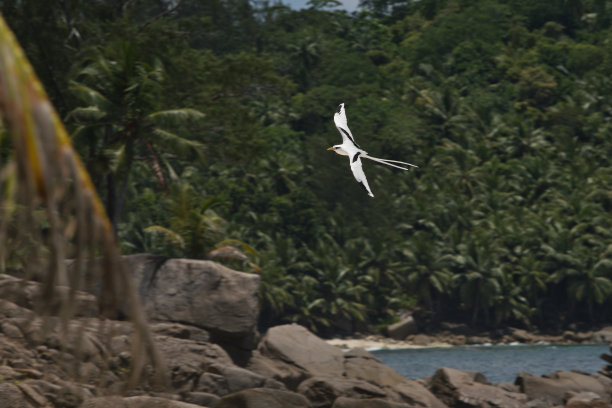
<point>205,124</point>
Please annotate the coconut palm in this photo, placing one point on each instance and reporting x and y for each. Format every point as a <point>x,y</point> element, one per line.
<point>119,120</point>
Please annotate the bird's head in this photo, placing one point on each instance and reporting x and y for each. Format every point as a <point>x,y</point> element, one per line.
<point>337,148</point>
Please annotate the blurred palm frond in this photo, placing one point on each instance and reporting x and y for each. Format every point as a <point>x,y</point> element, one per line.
<point>47,201</point>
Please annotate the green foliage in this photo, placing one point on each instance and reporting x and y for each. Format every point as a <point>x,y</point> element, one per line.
<point>503,104</point>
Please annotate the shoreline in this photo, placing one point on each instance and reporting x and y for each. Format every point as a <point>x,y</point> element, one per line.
<point>515,337</point>
<point>381,344</point>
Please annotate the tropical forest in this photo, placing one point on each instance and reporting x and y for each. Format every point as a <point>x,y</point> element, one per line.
<point>204,125</point>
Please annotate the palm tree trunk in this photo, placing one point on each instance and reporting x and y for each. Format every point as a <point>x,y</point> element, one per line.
<point>111,201</point>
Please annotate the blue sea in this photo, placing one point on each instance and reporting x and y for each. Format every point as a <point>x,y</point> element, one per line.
<point>497,362</point>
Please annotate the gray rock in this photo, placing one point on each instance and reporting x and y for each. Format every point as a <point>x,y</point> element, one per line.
<point>278,370</point>
<point>414,393</point>
<point>603,336</point>
<point>263,398</point>
<point>290,353</point>
<point>26,294</point>
<point>223,379</point>
<point>12,397</point>
<point>135,402</point>
<point>345,402</point>
<point>459,388</point>
<point>181,331</point>
<point>200,293</point>
<point>322,391</point>
<point>203,399</point>
<point>552,388</point>
<point>422,339</point>
<point>403,328</point>
<point>585,400</point>
<point>187,360</point>
<point>238,379</point>
<point>362,365</point>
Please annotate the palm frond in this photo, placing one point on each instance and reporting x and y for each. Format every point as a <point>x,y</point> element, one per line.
<point>174,116</point>
<point>86,114</point>
<point>51,177</point>
<point>178,145</point>
<point>89,95</point>
<point>173,237</point>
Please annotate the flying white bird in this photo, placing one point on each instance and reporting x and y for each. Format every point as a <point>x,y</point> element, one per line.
<point>351,149</point>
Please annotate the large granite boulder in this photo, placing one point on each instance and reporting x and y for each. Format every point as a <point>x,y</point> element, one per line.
<point>290,354</point>
<point>469,389</point>
<point>263,398</point>
<point>552,388</point>
<point>200,293</point>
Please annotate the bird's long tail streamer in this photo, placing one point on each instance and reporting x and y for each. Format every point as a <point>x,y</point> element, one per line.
<point>388,162</point>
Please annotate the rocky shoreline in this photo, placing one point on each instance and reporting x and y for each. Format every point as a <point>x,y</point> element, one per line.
<point>203,322</point>
<point>448,339</point>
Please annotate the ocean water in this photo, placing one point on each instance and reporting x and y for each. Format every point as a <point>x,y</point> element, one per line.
<point>498,362</point>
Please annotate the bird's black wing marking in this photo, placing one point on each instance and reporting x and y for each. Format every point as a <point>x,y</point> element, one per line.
<point>364,187</point>
<point>349,136</point>
<point>339,108</point>
<point>355,157</point>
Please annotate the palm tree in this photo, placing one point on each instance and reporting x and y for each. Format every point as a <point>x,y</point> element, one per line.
<point>194,228</point>
<point>119,121</point>
<point>426,273</point>
<point>477,277</point>
<point>590,287</point>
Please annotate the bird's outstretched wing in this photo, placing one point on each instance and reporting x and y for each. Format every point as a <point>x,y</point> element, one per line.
<point>341,124</point>
<point>357,170</point>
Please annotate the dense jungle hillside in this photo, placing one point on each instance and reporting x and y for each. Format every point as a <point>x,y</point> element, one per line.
<point>204,125</point>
